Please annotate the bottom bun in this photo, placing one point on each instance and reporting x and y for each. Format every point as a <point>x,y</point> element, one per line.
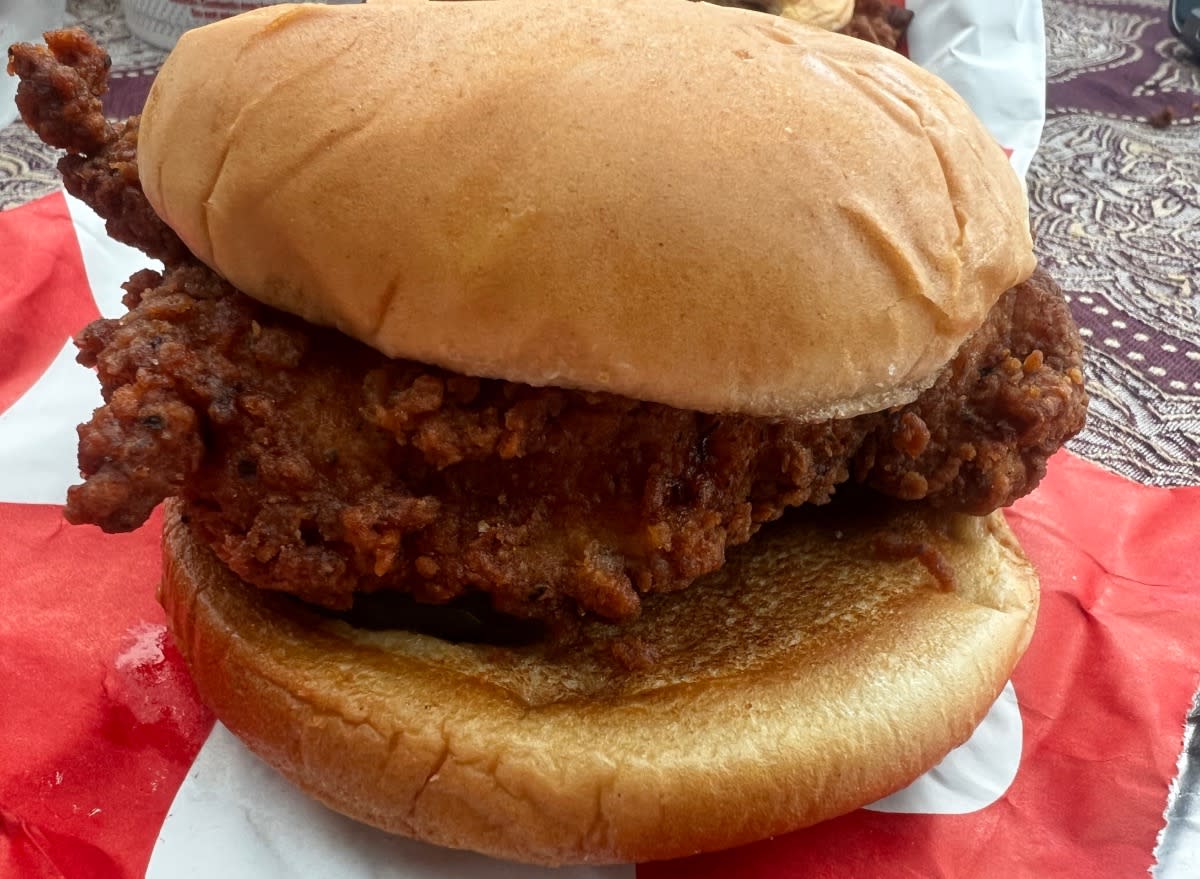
<point>809,677</point>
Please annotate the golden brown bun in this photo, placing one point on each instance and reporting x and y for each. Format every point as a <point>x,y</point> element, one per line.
<point>702,206</point>
<point>801,682</point>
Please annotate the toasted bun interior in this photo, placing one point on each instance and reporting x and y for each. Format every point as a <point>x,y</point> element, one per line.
<point>802,681</point>
<point>707,207</point>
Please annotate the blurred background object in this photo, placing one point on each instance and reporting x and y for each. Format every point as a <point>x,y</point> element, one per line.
<point>161,22</point>
<point>1185,23</point>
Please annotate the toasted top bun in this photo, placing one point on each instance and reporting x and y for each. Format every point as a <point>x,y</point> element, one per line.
<point>803,680</point>
<point>701,206</point>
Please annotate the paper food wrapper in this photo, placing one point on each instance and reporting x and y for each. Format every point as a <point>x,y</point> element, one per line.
<point>109,765</point>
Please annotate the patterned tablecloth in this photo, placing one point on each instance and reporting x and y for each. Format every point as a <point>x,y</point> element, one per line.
<point>1115,201</point>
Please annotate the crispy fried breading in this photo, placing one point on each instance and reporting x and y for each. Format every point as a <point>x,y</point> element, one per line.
<point>315,465</point>
<point>59,98</point>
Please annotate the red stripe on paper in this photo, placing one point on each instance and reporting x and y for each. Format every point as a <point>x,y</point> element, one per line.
<point>99,721</point>
<point>45,297</point>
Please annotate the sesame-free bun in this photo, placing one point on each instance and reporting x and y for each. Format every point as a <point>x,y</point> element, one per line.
<point>803,680</point>
<point>702,206</point>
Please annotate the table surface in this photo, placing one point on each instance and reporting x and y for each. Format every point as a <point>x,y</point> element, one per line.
<point>1115,205</point>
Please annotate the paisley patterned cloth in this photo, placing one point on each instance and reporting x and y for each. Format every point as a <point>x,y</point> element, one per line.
<point>1115,202</point>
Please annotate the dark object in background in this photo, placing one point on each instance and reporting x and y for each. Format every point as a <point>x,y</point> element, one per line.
<point>882,22</point>
<point>1184,18</point>
<point>1163,118</point>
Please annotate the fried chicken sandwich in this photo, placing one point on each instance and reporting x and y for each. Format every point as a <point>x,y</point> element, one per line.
<point>493,341</point>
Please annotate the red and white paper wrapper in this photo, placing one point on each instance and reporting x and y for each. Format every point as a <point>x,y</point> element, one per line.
<point>109,765</point>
